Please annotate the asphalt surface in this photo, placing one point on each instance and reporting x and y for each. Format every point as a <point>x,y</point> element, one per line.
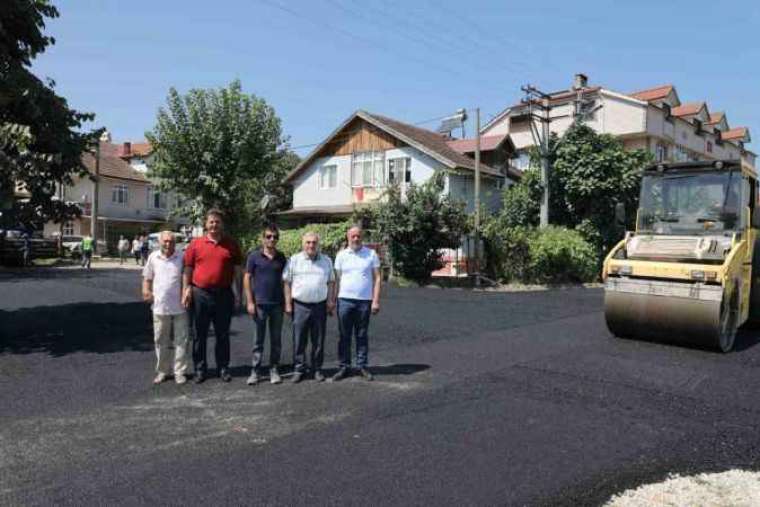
<point>479,398</point>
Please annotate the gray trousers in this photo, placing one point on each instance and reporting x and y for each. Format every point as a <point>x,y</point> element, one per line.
<point>309,321</point>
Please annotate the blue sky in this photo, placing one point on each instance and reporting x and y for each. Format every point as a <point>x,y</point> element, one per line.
<point>317,61</point>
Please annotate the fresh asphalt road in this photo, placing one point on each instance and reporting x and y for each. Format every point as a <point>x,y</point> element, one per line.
<point>479,398</point>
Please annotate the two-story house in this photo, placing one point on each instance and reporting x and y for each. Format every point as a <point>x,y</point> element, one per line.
<point>355,164</point>
<point>652,119</point>
<point>129,203</point>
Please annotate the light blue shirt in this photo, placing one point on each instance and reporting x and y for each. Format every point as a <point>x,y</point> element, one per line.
<point>355,269</point>
<point>309,278</point>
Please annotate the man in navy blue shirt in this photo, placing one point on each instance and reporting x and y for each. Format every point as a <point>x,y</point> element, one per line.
<point>263,288</point>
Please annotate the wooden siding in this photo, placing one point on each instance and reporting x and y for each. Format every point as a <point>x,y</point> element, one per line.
<point>360,136</point>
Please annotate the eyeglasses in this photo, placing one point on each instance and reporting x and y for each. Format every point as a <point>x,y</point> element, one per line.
<point>272,236</point>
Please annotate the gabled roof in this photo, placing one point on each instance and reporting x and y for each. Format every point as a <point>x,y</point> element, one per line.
<point>428,142</point>
<point>487,143</point>
<point>736,134</point>
<point>656,93</point>
<point>111,165</point>
<point>690,109</point>
<point>716,118</point>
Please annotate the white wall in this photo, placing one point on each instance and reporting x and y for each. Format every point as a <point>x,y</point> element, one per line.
<point>462,187</point>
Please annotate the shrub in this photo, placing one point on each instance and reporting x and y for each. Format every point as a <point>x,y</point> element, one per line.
<point>559,255</point>
<point>332,238</point>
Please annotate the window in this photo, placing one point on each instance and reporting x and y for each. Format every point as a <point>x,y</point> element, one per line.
<point>522,160</point>
<point>68,229</point>
<point>119,194</point>
<point>156,198</point>
<point>368,169</point>
<point>709,147</point>
<point>328,176</point>
<point>400,170</point>
<point>661,153</point>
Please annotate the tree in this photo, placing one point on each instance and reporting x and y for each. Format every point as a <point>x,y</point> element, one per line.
<point>417,227</point>
<point>221,148</point>
<point>40,139</point>
<point>591,173</point>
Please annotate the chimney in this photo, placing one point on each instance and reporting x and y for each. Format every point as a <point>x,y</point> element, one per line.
<point>580,81</point>
<point>126,151</point>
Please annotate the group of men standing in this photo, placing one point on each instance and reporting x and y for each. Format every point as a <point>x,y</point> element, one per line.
<point>201,288</point>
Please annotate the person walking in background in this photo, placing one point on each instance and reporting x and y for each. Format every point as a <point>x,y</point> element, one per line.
<point>26,249</point>
<point>123,248</point>
<point>359,282</point>
<point>212,270</point>
<point>162,285</point>
<point>144,249</point>
<point>87,251</point>
<point>136,246</point>
<point>309,298</point>
<point>262,284</point>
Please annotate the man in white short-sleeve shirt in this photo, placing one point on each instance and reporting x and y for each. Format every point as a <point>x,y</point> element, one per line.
<point>162,285</point>
<point>309,287</point>
<point>359,282</point>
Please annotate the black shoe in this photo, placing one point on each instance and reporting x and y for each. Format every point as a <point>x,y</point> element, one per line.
<point>340,375</point>
<point>366,374</point>
<point>224,374</point>
<point>319,376</point>
<point>297,377</point>
<point>199,378</point>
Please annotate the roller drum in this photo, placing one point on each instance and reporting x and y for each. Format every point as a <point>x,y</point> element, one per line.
<point>664,311</point>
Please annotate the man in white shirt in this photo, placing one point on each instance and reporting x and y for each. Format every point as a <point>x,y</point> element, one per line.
<point>162,284</point>
<point>359,282</point>
<point>309,283</point>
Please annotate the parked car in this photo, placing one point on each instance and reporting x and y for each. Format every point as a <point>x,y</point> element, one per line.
<point>72,245</point>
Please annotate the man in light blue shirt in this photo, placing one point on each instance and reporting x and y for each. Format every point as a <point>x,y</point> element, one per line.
<point>309,283</point>
<point>359,282</point>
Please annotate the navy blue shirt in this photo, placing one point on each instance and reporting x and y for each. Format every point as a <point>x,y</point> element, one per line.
<point>267,277</point>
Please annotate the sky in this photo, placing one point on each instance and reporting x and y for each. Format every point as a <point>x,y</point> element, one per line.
<point>317,61</point>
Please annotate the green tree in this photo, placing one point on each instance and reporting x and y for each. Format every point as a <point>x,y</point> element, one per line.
<point>41,142</point>
<point>221,148</point>
<point>416,227</point>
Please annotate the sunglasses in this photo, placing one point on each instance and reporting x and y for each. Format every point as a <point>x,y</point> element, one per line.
<point>272,236</point>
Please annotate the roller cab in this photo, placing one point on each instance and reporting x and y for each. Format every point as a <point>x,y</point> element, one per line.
<point>685,274</point>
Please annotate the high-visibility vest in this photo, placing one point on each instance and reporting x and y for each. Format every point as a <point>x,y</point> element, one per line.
<point>86,244</point>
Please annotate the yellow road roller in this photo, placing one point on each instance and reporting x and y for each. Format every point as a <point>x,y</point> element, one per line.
<point>687,272</point>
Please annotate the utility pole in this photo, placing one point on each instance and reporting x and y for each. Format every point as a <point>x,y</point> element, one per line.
<point>94,209</point>
<point>477,197</point>
<point>535,98</point>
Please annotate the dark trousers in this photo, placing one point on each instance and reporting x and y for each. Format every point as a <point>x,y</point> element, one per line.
<point>353,319</point>
<point>267,314</point>
<point>86,258</point>
<point>212,305</point>
<point>309,320</point>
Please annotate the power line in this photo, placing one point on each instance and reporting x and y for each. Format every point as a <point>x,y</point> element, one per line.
<point>366,41</point>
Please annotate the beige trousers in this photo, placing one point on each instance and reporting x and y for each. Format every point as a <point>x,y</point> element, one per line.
<point>164,327</point>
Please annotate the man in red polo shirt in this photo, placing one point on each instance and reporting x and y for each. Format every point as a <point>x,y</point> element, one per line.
<point>212,269</point>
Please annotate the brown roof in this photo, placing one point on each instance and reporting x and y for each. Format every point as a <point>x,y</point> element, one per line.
<point>487,143</point>
<point>689,109</point>
<point>656,93</point>
<point>716,118</point>
<point>429,142</point>
<point>111,165</point>
<point>137,150</point>
<point>738,133</point>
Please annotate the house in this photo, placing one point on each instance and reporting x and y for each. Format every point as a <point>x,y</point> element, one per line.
<point>367,152</point>
<point>129,203</point>
<point>654,119</point>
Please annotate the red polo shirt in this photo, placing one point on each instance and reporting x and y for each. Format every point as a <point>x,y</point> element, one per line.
<point>213,263</point>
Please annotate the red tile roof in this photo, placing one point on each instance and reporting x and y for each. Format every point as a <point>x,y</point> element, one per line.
<point>656,93</point>
<point>716,118</point>
<point>738,133</point>
<point>111,165</point>
<point>689,109</point>
<point>487,143</point>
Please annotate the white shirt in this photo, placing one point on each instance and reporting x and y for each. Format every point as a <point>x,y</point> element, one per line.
<point>355,269</point>
<point>166,273</point>
<point>308,278</point>
<point>123,245</point>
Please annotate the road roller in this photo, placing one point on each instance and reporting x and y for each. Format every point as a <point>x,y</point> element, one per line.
<point>690,271</point>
